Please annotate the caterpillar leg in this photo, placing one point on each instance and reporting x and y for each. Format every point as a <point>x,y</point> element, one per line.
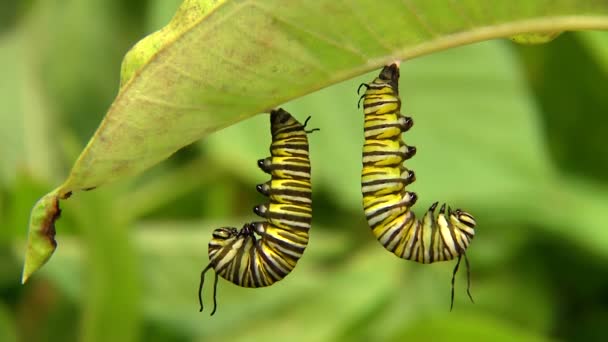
<point>200,289</point>
<point>265,164</point>
<point>261,210</point>
<point>466,260</point>
<point>263,188</point>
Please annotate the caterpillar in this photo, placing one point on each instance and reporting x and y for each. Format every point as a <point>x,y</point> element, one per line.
<point>386,202</point>
<point>262,253</point>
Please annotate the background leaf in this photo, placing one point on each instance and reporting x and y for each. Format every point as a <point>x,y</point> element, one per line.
<point>574,143</point>
<point>191,78</point>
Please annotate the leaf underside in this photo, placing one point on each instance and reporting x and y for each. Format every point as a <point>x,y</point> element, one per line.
<point>219,62</point>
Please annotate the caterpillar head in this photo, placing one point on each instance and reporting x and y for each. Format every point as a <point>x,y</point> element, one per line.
<point>390,75</point>
<point>221,237</point>
<point>224,233</point>
<point>279,118</point>
<point>463,221</point>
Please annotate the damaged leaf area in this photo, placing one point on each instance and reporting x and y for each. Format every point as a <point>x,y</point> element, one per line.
<point>220,62</point>
<point>41,235</point>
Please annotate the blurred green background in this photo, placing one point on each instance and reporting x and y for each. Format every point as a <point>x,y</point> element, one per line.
<point>515,135</point>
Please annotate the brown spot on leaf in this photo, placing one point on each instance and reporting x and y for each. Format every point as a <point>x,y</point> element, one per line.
<point>89,188</point>
<point>48,225</point>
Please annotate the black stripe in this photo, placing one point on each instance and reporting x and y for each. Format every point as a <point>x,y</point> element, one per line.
<point>384,181</point>
<point>269,262</point>
<point>415,243</point>
<point>290,129</point>
<point>451,228</point>
<point>469,235</point>
<point>431,246</point>
<point>398,231</point>
<point>236,264</point>
<point>449,255</point>
<point>290,228</point>
<point>286,245</point>
<point>382,210</point>
<point>403,155</point>
<point>299,140</point>
<point>383,126</point>
<point>297,209</point>
<point>290,154</point>
<point>253,266</point>
<point>377,200</point>
<point>406,242</point>
<point>221,254</point>
<point>292,236</point>
<point>262,275</point>
<point>379,103</point>
<point>301,184</point>
<point>302,146</point>
<point>294,160</point>
<point>384,153</point>
<point>289,192</point>
<point>422,246</point>
<point>288,217</point>
<point>280,260</point>
<point>436,239</point>
<point>384,193</point>
<point>374,144</point>
<point>290,167</point>
<point>381,171</point>
<point>292,201</point>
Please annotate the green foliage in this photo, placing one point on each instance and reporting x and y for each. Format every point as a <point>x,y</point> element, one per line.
<point>179,84</point>
<point>575,144</point>
<point>511,133</point>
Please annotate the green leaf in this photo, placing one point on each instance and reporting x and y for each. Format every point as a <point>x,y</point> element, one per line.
<point>217,63</point>
<point>574,122</point>
<point>7,325</point>
<point>41,235</point>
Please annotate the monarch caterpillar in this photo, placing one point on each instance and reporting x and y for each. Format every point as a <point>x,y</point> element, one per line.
<point>246,260</point>
<point>387,204</point>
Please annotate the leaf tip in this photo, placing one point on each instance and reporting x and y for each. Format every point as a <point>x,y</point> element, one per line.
<point>41,235</point>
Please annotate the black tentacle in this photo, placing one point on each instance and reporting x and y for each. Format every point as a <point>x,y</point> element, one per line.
<point>453,279</point>
<point>200,286</point>
<point>362,85</point>
<point>214,295</point>
<point>466,261</point>
<point>310,130</point>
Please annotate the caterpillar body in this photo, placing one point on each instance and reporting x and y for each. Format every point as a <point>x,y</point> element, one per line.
<point>262,253</point>
<point>387,204</point>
